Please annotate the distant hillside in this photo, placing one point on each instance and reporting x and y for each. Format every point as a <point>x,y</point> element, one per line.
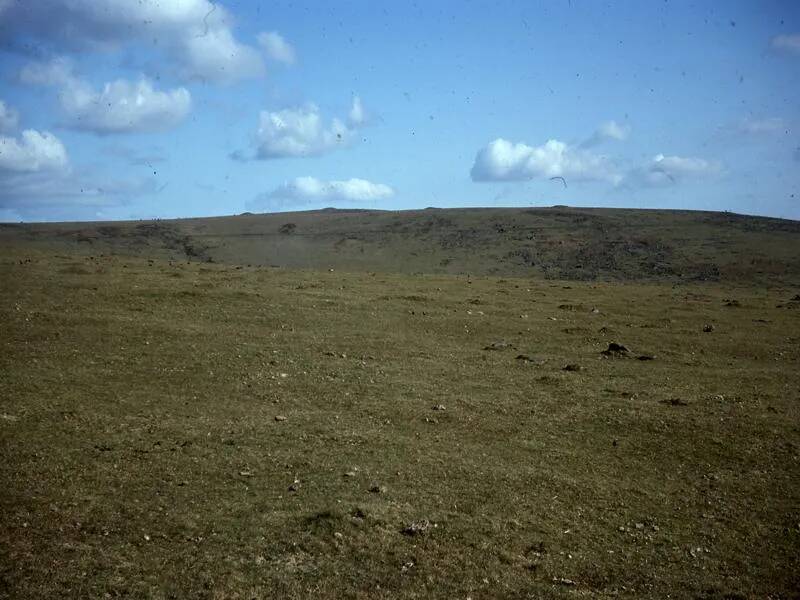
<point>558,242</point>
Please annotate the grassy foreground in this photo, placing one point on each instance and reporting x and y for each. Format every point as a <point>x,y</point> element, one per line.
<point>205,431</point>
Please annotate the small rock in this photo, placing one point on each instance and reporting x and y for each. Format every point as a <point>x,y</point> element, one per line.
<point>615,350</point>
<point>675,402</point>
<point>338,535</point>
<point>645,357</point>
<point>708,328</point>
<point>280,418</point>
<point>529,359</point>
<point>350,474</point>
<point>501,345</point>
<point>439,407</point>
<point>417,527</point>
<point>639,526</point>
<point>378,489</point>
<point>572,367</point>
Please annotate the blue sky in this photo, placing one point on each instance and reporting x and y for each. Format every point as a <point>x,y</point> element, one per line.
<point>118,109</point>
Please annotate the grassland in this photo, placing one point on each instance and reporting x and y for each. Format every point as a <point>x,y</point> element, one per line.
<point>190,430</point>
<point>554,243</point>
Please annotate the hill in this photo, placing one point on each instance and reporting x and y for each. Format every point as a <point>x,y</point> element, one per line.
<point>554,243</point>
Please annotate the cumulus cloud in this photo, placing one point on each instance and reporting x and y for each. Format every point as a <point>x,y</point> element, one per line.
<point>276,48</point>
<point>9,118</point>
<point>609,130</point>
<point>217,56</point>
<point>357,116</point>
<point>502,160</point>
<point>761,126</point>
<point>301,131</point>
<point>787,43</point>
<point>310,190</point>
<point>56,72</point>
<point>120,106</point>
<point>33,151</point>
<point>124,107</point>
<point>196,35</point>
<point>669,170</point>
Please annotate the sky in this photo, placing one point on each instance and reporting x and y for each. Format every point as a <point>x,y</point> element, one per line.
<point>138,109</point>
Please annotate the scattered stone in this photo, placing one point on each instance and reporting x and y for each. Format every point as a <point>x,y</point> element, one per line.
<point>731,302</point>
<point>572,368</point>
<point>563,581</point>
<point>530,359</point>
<point>246,473</point>
<point>500,345</point>
<point>675,402</point>
<point>280,418</point>
<point>407,566</point>
<point>378,489</point>
<point>338,535</point>
<point>708,328</point>
<point>572,307</point>
<point>595,311</point>
<point>350,474</point>
<point>439,407</point>
<point>417,527</point>
<point>294,486</point>
<point>615,350</point>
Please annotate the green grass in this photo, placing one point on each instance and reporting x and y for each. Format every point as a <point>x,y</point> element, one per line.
<point>142,458</point>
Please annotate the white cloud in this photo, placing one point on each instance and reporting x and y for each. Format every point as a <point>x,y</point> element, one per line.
<point>277,48</point>
<point>217,56</point>
<point>124,107</point>
<point>57,71</point>
<point>301,131</point>
<point>761,126</point>
<point>120,107</point>
<point>669,170</point>
<point>9,118</point>
<point>787,42</point>
<point>502,160</point>
<point>357,116</point>
<point>196,35</point>
<point>31,152</point>
<point>608,130</point>
<point>303,191</point>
